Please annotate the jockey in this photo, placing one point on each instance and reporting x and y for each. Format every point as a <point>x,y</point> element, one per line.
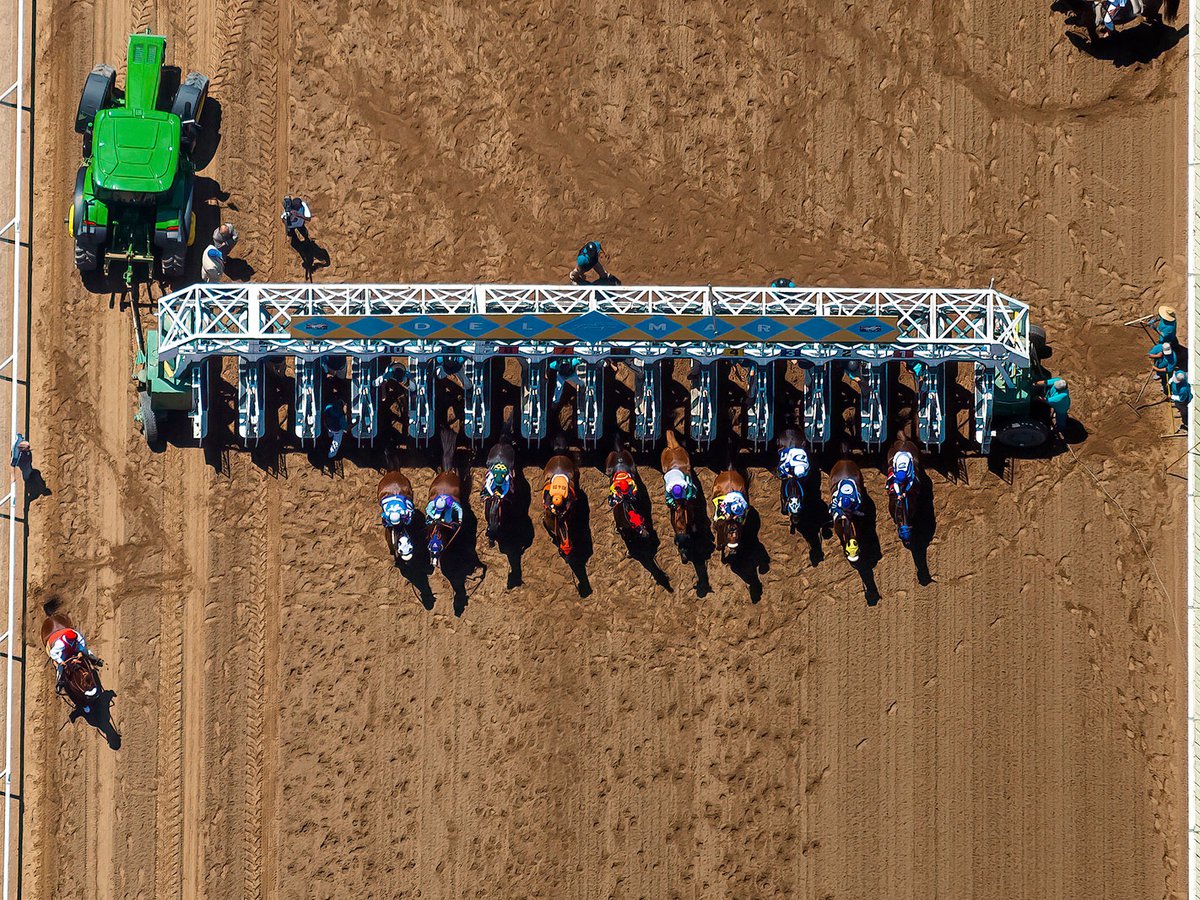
<point>445,510</point>
<point>557,491</point>
<point>793,463</point>
<point>730,506</point>
<point>903,476</point>
<point>65,644</point>
<point>397,510</point>
<point>498,482</point>
<point>679,487</point>
<point>623,490</point>
<point>846,500</point>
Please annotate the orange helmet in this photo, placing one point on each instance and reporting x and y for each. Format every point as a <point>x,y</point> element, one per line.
<point>559,489</point>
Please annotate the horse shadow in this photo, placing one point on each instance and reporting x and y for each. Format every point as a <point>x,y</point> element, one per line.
<point>924,530</point>
<point>751,561</point>
<point>460,560</point>
<point>1139,45</point>
<point>579,529</point>
<point>99,716</point>
<point>517,532</point>
<point>644,550</point>
<point>870,552</point>
<point>812,520</point>
<point>699,546</point>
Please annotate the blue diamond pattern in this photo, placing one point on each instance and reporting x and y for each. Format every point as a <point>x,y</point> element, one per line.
<point>710,327</point>
<point>870,329</point>
<point>528,326</point>
<point>816,329</point>
<point>764,327</point>
<point>420,326</point>
<point>658,326</point>
<point>370,326</point>
<point>316,327</point>
<point>593,327</point>
<point>475,326</point>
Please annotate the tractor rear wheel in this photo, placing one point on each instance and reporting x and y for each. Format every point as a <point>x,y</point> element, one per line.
<point>87,258</point>
<point>1037,339</point>
<point>150,421</point>
<point>97,95</point>
<point>173,264</point>
<point>1023,434</point>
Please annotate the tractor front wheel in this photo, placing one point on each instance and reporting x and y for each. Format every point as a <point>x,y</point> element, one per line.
<point>1023,434</point>
<point>188,104</point>
<point>97,95</point>
<point>150,421</point>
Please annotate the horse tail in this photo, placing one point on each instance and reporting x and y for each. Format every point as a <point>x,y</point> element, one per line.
<point>1170,10</point>
<point>51,606</point>
<point>449,439</point>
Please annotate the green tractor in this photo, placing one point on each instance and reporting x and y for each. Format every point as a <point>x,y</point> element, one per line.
<point>133,194</point>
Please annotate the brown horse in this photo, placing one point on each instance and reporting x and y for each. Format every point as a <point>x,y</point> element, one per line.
<point>848,496</point>
<point>904,492</point>
<point>729,515</point>
<point>681,492</point>
<point>443,517</point>
<point>622,493</point>
<point>397,516</point>
<point>797,492</point>
<point>79,682</point>
<point>502,464</point>
<point>560,483</point>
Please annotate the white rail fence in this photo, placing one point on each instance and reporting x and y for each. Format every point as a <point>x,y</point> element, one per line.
<point>14,251</point>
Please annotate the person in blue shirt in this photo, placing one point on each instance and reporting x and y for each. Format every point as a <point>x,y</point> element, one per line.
<point>588,260</point>
<point>1180,394</point>
<point>1058,399</point>
<point>1163,359</point>
<point>1167,327</point>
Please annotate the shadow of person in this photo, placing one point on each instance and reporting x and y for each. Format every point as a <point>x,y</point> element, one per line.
<point>99,716</point>
<point>460,560</point>
<point>237,269</point>
<point>517,530</point>
<point>36,487</point>
<point>751,559</point>
<point>924,529</point>
<point>579,528</point>
<point>312,255</point>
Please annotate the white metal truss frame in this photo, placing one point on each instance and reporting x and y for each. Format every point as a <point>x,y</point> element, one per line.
<point>13,96</point>
<point>252,320</point>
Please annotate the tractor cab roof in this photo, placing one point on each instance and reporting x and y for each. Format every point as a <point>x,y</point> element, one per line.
<point>135,151</point>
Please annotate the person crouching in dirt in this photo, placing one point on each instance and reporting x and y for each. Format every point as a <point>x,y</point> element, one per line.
<point>295,217</point>
<point>588,260</point>
<point>1059,401</point>
<point>1180,394</point>
<point>65,644</point>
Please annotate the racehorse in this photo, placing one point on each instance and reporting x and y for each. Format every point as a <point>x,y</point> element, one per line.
<point>731,503</point>
<point>439,533</point>
<point>396,504</point>
<point>1103,17</point>
<point>848,496</point>
<point>560,481</point>
<point>80,683</point>
<point>681,492</point>
<point>799,480</point>
<point>904,494</point>
<point>498,483</point>
<point>622,492</point>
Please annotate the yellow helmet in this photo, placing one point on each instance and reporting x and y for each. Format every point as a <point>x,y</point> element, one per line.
<point>852,550</point>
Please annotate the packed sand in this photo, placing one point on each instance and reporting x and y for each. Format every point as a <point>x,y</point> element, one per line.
<point>295,723</point>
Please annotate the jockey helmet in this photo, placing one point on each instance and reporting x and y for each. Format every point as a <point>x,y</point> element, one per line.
<point>902,462</point>
<point>441,503</point>
<point>623,483</point>
<point>558,489</point>
<point>394,515</point>
<point>678,492</point>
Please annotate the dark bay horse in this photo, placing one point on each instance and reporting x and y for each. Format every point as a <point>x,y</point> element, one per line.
<point>560,483</point>
<point>731,502</point>
<point>848,497</point>
<point>396,506</point>
<point>904,486</point>
<point>80,683</point>
<point>798,491</point>
<point>680,485</point>
<point>498,483</point>
<point>623,493</point>
<point>442,525</point>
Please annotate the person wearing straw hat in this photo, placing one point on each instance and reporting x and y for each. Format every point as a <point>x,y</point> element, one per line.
<point>1166,326</point>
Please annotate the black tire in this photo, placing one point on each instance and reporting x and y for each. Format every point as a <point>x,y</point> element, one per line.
<point>87,258</point>
<point>1023,434</point>
<point>1037,336</point>
<point>150,421</point>
<point>96,95</point>
<point>174,264</point>
<point>189,106</point>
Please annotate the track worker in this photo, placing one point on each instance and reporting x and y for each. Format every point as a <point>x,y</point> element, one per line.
<point>1058,398</point>
<point>65,644</point>
<point>588,260</point>
<point>1180,393</point>
<point>295,217</point>
<point>225,236</point>
<point>1163,360</point>
<point>1167,326</point>
<point>22,456</point>
<point>212,265</point>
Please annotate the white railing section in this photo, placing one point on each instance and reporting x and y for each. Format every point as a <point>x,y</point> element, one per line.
<point>252,319</point>
<point>13,233</point>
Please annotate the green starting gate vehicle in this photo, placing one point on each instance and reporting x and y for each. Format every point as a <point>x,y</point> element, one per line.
<point>1018,423</point>
<point>165,389</point>
<point>133,193</point>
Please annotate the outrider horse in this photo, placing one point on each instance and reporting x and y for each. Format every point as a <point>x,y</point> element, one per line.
<point>729,516</point>
<point>560,482</point>
<point>622,493</point>
<point>439,533</point>
<point>681,493</point>
<point>848,497</point>
<point>395,484</point>
<point>80,683</point>
<point>904,495</point>
<point>502,465</point>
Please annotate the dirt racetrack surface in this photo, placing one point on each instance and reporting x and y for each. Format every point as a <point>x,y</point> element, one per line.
<point>295,723</point>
